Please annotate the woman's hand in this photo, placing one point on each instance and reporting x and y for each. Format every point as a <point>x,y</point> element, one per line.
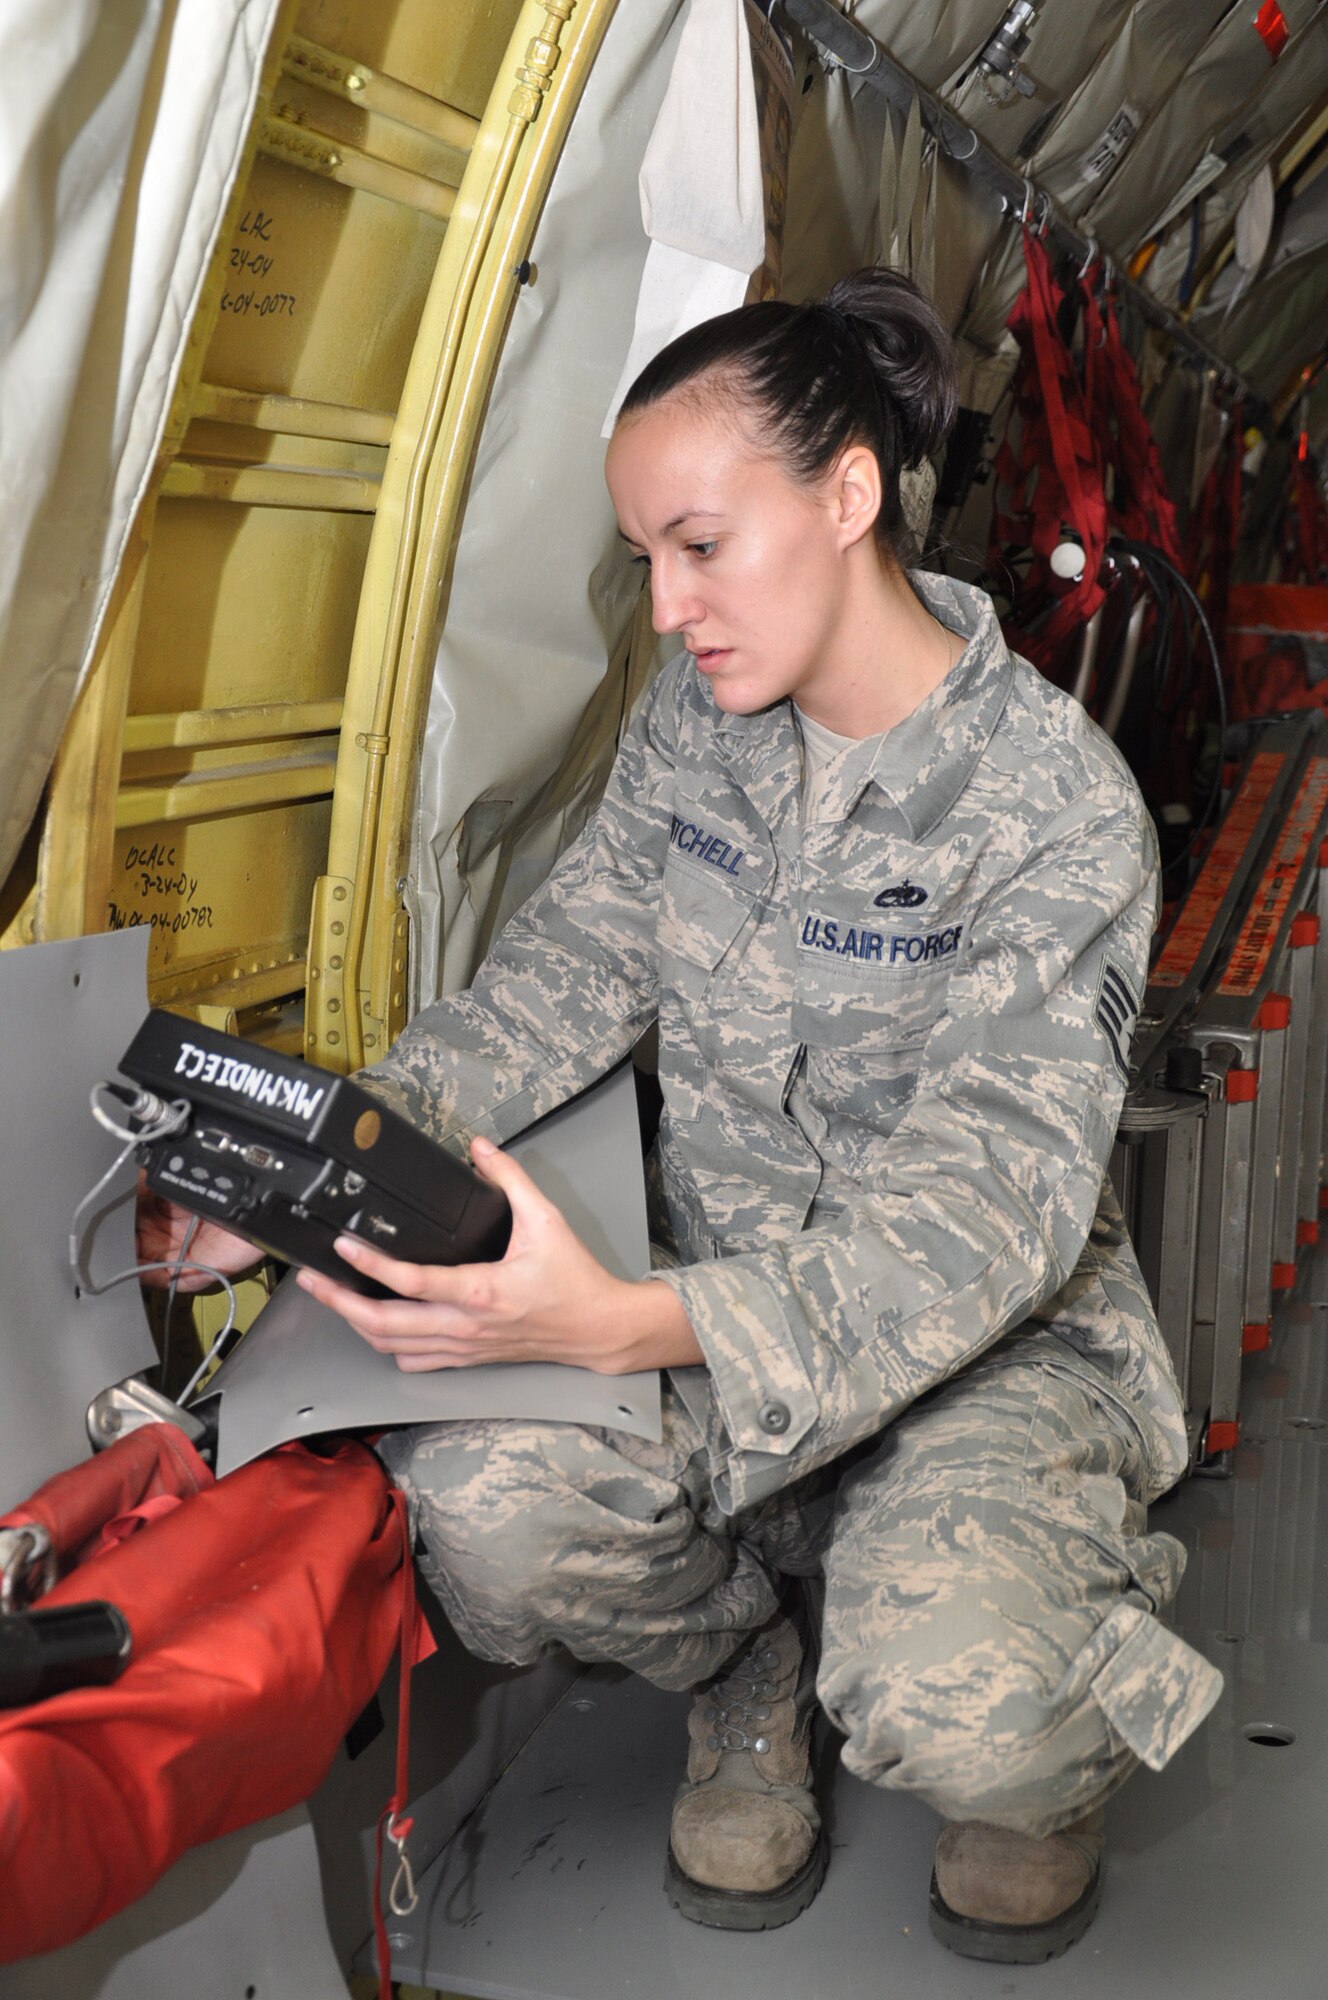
<point>548,1299</point>
<point>162,1228</point>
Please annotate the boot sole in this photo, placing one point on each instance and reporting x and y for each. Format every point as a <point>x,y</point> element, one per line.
<point>1013,1944</point>
<point>742,1910</point>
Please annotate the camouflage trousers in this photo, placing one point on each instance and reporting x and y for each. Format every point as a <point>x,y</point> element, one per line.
<point>987,1583</point>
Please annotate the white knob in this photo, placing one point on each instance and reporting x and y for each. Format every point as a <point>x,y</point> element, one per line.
<point>1067,560</point>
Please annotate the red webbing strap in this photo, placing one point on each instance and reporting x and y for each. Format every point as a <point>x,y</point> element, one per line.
<point>1215,527</point>
<point>1053,482</point>
<point>1141,508</point>
<point>1305,527</point>
<point>391,1823</point>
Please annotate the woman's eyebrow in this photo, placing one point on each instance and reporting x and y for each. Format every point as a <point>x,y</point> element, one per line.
<point>688,514</point>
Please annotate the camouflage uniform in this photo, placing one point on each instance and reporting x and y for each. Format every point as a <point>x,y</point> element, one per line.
<point>892,1053</point>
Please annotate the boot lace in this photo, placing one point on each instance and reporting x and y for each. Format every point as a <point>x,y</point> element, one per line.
<point>741,1702</point>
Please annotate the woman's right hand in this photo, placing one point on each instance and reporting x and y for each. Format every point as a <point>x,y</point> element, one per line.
<point>162,1228</point>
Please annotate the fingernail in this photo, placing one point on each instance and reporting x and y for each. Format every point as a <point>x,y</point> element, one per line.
<point>304,1279</point>
<point>346,1246</point>
<point>479,1145</point>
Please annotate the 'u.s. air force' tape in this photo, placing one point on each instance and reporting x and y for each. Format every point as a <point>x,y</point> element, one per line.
<point>845,940</point>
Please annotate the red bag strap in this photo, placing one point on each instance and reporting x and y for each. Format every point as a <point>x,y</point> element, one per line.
<point>74,1506</point>
<point>393,1823</point>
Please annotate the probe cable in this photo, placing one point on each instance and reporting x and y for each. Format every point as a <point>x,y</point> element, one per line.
<point>162,1121</point>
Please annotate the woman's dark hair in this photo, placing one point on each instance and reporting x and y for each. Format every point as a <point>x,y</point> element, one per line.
<point>870,363</point>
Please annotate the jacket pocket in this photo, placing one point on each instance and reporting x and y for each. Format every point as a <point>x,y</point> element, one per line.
<point>700,920</point>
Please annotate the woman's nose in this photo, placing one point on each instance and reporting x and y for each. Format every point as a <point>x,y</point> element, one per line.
<point>672,603</point>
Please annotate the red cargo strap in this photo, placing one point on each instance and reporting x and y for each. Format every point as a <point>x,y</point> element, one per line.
<point>1215,526</point>
<point>1053,483</point>
<point>1304,524</point>
<point>401,1897</point>
<point>1140,507</point>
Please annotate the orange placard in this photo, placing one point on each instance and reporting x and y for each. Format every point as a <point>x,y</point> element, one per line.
<point>1195,922</point>
<point>1263,919</point>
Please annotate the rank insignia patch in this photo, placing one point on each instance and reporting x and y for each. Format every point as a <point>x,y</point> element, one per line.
<point>1116,1010</point>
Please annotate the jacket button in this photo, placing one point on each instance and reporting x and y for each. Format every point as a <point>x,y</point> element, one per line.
<point>773,1418</point>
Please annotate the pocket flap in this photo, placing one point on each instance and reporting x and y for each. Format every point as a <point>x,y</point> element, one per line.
<point>1153,1688</point>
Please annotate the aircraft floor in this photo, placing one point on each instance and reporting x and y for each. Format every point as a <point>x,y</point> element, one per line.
<point>1215,1880</point>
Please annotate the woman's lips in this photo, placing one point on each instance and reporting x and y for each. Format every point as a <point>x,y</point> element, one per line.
<point>710,657</point>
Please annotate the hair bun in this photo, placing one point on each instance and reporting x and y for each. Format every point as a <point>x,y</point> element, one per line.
<point>909,350</point>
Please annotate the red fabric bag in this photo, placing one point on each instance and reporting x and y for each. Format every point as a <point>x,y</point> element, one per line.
<point>264,1609</point>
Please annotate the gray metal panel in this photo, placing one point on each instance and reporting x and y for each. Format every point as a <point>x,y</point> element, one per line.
<point>1182,1146</point>
<point>240,1917</point>
<point>1299,963</point>
<point>301,1370</point>
<point>1312,1168</point>
<point>553,1891</point>
<point>1264,1165</point>
<point>69,1011</point>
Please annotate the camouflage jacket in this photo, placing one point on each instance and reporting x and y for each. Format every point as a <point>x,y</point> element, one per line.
<point>892,1047</point>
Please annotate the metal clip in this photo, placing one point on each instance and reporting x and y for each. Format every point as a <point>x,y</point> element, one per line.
<point>22,1551</point>
<point>126,1406</point>
<point>402,1897</point>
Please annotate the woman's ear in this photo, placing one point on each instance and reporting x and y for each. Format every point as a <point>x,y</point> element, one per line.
<point>856,493</point>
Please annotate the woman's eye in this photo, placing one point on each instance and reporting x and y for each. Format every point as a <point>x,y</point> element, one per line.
<point>702,549</point>
<point>638,562</point>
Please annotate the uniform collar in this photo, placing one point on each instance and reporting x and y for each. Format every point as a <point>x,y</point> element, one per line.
<point>924,762</point>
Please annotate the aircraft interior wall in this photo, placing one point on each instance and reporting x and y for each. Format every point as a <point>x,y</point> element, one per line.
<point>318,640</point>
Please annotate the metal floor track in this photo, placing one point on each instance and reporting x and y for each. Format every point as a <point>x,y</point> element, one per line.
<point>1216,1886</point>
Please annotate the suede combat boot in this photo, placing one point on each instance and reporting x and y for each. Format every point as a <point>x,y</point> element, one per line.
<point>746,1848</point>
<point>1008,1897</point>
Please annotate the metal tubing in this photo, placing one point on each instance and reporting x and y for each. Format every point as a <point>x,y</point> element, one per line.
<point>1120,693</point>
<point>861,55</point>
<point>1088,645</point>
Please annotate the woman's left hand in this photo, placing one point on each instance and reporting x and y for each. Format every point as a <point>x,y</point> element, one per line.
<point>546,1299</point>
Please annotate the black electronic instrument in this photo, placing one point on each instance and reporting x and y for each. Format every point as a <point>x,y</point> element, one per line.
<point>291,1156</point>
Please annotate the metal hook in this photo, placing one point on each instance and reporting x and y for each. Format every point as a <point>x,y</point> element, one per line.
<point>1026,213</point>
<point>1089,260</point>
<point>402,1897</point>
<point>972,149</point>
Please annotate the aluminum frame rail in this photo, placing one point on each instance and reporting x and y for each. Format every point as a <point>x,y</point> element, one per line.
<point>862,56</point>
<point>1222,1150</point>
<point>1175,1114</point>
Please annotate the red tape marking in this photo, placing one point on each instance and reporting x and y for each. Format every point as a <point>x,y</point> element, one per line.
<point>1271,26</point>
